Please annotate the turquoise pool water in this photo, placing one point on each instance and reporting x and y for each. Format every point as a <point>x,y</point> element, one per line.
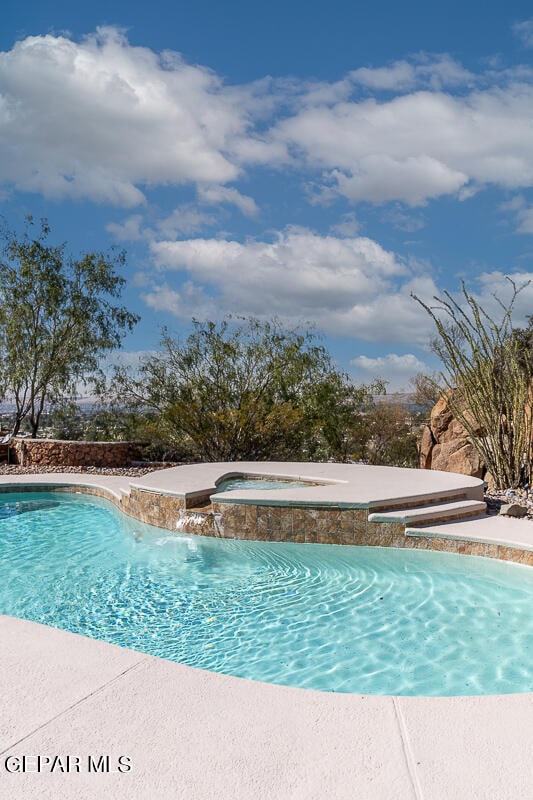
<point>343,619</point>
<point>257,483</point>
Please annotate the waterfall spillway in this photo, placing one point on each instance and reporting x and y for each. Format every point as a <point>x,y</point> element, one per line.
<point>218,524</point>
<point>199,522</point>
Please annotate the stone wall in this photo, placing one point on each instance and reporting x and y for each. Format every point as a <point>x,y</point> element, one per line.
<point>328,525</point>
<point>56,452</point>
<point>445,445</point>
<point>323,525</point>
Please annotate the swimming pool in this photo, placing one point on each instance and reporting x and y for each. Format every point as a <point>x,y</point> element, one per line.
<point>344,619</point>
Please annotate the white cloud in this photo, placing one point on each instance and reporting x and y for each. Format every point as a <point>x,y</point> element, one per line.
<point>213,195</point>
<point>522,212</point>
<point>417,146</point>
<point>426,70</point>
<point>99,118</point>
<point>190,301</point>
<point>183,220</point>
<point>400,75</point>
<point>347,286</point>
<point>103,120</point>
<point>415,180</point>
<point>129,230</point>
<point>525,220</point>
<point>494,288</point>
<point>348,225</point>
<point>396,369</point>
<point>524,31</point>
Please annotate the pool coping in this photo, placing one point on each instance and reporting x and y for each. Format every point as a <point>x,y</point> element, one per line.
<point>197,734</point>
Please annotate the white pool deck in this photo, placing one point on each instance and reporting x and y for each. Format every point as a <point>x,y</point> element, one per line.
<point>342,483</point>
<point>197,735</point>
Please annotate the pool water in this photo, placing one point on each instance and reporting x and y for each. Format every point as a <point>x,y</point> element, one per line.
<point>340,619</point>
<point>231,484</point>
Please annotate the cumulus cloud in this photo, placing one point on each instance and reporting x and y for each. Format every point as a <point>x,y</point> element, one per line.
<point>522,212</point>
<point>495,288</point>
<point>104,120</point>
<point>400,75</point>
<point>414,179</point>
<point>524,31</point>
<point>435,71</point>
<point>347,286</point>
<point>348,225</point>
<point>99,118</point>
<point>190,301</point>
<point>214,195</point>
<point>185,219</point>
<point>130,230</point>
<point>418,146</point>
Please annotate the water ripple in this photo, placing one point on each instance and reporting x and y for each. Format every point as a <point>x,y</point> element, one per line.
<point>344,619</point>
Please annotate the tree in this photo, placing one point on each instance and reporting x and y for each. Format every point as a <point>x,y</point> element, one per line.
<point>392,441</point>
<point>426,391</point>
<point>57,319</point>
<point>246,389</point>
<point>488,375</point>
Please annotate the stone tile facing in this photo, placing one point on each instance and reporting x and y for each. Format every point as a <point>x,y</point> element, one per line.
<point>163,511</point>
<point>322,525</point>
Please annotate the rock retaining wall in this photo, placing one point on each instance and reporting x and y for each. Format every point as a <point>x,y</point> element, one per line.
<point>56,452</point>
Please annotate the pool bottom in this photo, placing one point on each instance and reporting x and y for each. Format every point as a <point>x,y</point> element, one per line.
<point>350,619</point>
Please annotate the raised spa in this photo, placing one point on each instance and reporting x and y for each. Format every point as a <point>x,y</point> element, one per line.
<point>340,619</point>
<point>230,484</point>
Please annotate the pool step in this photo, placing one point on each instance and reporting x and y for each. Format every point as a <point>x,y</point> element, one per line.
<point>438,512</point>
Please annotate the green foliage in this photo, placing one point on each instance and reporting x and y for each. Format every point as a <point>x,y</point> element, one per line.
<point>488,376</point>
<point>247,390</point>
<point>66,422</point>
<point>392,440</point>
<point>426,390</point>
<point>111,424</point>
<point>57,319</point>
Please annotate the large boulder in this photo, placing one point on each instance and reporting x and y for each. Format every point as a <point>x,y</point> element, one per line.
<point>441,419</point>
<point>445,444</point>
<point>457,455</point>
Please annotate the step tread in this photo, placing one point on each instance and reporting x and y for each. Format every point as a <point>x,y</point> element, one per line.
<point>428,511</point>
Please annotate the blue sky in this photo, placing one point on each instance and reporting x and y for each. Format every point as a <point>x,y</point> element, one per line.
<point>314,162</point>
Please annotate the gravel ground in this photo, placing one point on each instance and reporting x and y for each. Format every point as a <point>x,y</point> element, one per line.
<point>495,500</point>
<point>131,472</point>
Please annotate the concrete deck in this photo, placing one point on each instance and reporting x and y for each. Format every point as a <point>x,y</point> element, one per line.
<point>196,735</point>
<point>354,485</point>
<point>506,531</point>
<point>345,484</point>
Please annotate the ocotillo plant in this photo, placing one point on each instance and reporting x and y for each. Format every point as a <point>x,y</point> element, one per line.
<point>489,381</point>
